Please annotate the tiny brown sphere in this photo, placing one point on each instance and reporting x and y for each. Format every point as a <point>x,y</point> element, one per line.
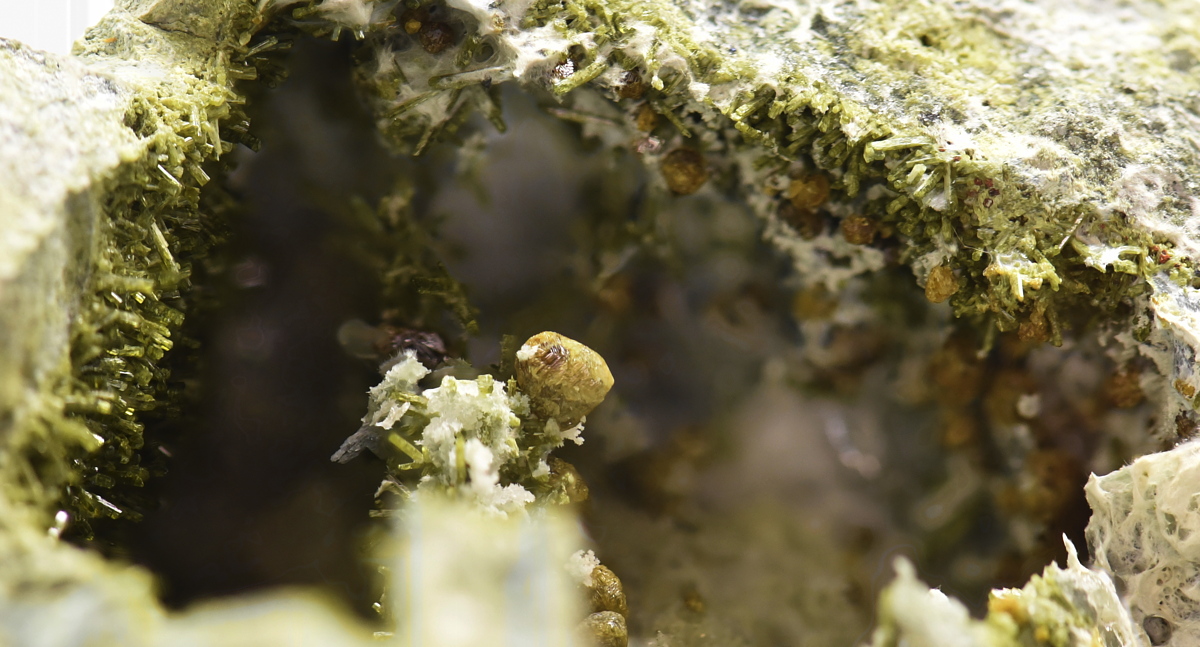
<point>632,86</point>
<point>809,193</point>
<point>957,372</point>
<point>693,601</point>
<point>435,37</point>
<point>1035,328</point>
<point>568,482</point>
<point>564,379</point>
<point>959,429</point>
<point>1123,389</point>
<point>809,224</point>
<point>647,119</point>
<point>813,303</point>
<point>605,629</point>
<point>941,284</point>
<point>607,592</point>
<point>685,171</point>
<point>859,230</point>
<point>1057,478</point>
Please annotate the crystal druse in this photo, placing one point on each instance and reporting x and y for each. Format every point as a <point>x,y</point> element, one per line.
<point>1034,165</point>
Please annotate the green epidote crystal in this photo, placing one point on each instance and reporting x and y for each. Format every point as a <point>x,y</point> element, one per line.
<point>1043,153</point>
<point>105,156</point>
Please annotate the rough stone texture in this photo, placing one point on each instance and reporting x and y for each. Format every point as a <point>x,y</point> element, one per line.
<point>1145,532</point>
<point>68,145</point>
<point>61,134</point>
<point>1043,154</point>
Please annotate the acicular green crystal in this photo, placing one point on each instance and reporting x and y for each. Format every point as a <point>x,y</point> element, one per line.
<point>125,206</point>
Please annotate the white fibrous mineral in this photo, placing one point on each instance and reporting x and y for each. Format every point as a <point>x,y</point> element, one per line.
<point>351,13</point>
<point>1145,531</point>
<point>573,433</point>
<point>384,409</point>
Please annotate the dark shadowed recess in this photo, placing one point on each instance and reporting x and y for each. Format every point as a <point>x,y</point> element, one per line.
<point>251,499</point>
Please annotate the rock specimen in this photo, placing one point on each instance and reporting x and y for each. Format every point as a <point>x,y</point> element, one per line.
<point>1033,165</point>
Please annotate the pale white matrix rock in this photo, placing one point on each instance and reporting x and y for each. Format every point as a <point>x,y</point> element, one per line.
<point>1145,531</point>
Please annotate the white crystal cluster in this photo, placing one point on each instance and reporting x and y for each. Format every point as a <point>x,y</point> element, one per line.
<point>472,433</point>
<point>463,434</point>
<point>466,431</point>
<point>580,566</point>
<point>384,409</point>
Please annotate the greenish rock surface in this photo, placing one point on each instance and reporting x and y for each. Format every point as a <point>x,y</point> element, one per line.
<point>53,161</point>
<point>104,155</point>
<point>1043,153</point>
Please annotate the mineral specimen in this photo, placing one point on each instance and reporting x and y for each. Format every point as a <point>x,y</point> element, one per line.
<point>1030,164</point>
